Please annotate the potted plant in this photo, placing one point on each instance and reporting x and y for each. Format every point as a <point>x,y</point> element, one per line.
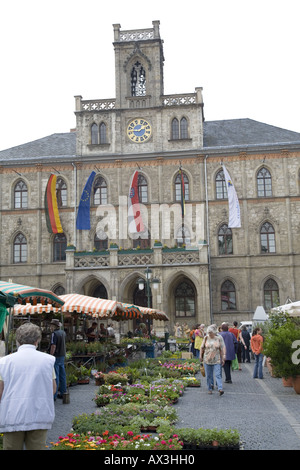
<point>84,375</point>
<point>278,346</point>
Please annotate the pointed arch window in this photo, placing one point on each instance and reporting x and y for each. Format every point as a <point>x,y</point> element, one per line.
<point>264,183</point>
<point>142,189</point>
<point>271,294</point>
<point>102,131</point>
<point>100,191</point>
<point>178,187</point>
<point>228,296</point>
<point>221,188</point>
<point>20,195</point>
<point>267,238</point>
<point>175,129</point>
<point>20,249</point>
<point>138,80</point>
<point>59,247</point>
<point>225,240</point>
<point>185,300</point>
<point>94,134</point>
<point>59,290</point>
<point>61,192</point>
<point>183,128</point>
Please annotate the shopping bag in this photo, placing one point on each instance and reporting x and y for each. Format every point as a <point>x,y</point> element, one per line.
<point>202,370</point>
<point>235,364</point>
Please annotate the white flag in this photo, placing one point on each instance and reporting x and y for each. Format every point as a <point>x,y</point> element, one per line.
<point>234,206</point>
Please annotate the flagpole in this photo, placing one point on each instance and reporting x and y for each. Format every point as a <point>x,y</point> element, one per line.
<point>208,241</point>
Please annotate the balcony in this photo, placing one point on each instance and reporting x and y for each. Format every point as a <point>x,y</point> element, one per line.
<point>115,258</point>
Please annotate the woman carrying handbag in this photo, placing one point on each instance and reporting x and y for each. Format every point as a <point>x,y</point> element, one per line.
<point>213,354</point>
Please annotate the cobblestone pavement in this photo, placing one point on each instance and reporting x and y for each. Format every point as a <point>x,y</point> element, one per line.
<point>266,414</point>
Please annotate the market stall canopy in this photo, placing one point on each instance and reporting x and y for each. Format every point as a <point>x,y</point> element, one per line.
<point>84,305</point>
<point>98,308</point>
<point>150,312</point>
<point>11,293</point>
<point>293,309</point>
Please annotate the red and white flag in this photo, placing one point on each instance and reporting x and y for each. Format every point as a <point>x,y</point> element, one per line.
<point>135,221</point>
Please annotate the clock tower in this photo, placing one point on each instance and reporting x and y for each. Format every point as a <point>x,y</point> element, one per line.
<point>141,119</point>
<point>139,64</point>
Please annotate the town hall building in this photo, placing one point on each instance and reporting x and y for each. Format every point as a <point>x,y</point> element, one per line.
<point>159,150</point>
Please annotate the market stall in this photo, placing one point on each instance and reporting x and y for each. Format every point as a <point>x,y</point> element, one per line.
<point>12,294</point>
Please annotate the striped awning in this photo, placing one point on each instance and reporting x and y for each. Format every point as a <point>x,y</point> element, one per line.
<point>150,312</point>
<point>84,305</point>
<point>11,293</point>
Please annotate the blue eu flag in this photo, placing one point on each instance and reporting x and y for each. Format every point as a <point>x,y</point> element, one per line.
<point>83,214</point>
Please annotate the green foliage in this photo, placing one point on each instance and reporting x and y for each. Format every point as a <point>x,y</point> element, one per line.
<point>278,346</point>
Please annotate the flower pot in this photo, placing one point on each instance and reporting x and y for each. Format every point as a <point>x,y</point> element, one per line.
<point>296,383</point>
<point>287,381</point>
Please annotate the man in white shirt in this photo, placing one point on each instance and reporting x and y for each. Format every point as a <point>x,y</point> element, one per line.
<point>27,385</point>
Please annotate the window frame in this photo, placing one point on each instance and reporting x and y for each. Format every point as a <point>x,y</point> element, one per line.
<point>102,194</point>
<point>264,183</point>
<point>20,249</point>
<point>267,234</point>
<point>226,234</point>
<point>23,194</point>
<point>228,288</point>
<point>59,247</point>
<point>184,300</point>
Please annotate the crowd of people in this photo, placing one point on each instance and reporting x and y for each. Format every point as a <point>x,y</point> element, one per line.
<point>226,348</point>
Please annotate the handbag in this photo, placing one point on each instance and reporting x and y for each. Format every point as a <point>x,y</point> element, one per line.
<point>202,370</point>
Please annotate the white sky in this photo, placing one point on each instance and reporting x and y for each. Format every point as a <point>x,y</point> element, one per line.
<point>244,53</point>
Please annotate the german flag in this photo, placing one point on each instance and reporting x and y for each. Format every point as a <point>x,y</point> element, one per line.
<point>51,209</point>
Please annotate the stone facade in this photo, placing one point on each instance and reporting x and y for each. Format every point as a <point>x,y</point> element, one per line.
<point>244,146</point>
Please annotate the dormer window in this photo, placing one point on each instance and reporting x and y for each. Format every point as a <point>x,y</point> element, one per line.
<point>138,80</point>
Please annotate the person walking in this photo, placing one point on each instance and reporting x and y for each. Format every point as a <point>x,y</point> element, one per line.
<point>213,354</point>
<point>58,350</point>
<point>27,385</point>
<point>257,349</point>
<point>245,342</point>
<point>236,333</point>
<point>198,340</point>
<point>231,348</point>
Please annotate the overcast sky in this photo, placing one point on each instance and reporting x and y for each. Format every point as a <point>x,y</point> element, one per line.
<point>244,53</point>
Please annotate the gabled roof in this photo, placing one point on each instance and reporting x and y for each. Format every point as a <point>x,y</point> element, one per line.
<point>218,135</point>
<point>54,146</point>
<point>245,132</point>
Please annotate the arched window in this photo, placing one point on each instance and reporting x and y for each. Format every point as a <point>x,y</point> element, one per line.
<point>221,188</point>
<point>175,129</point>
<point>185,300</point>
<point>61,192</point>
<point>225,240</point>
<point>183,236</point>
<point>138,80</point>
<point>59,247</point>
<point>228,299</point>
<point>101,241</point>
<point>59,290</point>
<point>267,238</point>
<point>20,195</point>
<point>264,183</point>
<point>100,292</point>
<point>100,191</point>
<point>103,139</point>
<point>20,249</point>
<point>142,189</point>
<point>178,187</point>
<point>183,128</point>
<point>271,294</point>
<point>94,134</point>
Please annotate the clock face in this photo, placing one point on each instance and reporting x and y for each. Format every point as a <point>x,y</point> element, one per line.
<point>139,130</point>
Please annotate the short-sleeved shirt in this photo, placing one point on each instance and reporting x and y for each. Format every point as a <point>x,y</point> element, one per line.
<point>58,338</point>
<point>212,348</point>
